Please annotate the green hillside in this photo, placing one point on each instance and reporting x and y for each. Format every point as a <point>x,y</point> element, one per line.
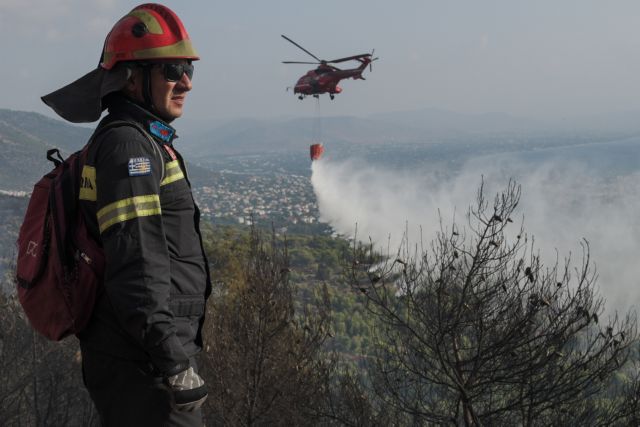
<point>56,133</point>
<point>24,140</point>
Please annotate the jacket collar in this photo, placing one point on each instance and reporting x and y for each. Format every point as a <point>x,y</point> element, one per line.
<point>123,108</point>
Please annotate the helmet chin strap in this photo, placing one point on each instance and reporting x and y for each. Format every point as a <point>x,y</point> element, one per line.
<point>146,87</point>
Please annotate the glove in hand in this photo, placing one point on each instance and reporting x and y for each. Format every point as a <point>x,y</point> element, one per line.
<point>189,391</point>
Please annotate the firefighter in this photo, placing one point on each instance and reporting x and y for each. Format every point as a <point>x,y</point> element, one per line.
<point>139,347</point>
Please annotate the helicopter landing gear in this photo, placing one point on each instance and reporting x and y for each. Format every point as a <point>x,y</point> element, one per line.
<point>300,97</point>
<point>316,96</point>
<point>331,96</point>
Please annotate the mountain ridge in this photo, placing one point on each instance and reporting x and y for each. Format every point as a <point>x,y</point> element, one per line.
<point>26,136</point>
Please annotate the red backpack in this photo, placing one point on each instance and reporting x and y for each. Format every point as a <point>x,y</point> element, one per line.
<point>60,266</point>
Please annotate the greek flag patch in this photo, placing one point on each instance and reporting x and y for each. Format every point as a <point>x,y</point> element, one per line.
<point>139,166</point>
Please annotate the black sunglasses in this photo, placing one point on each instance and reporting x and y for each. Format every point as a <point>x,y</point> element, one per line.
<point>174,71</point>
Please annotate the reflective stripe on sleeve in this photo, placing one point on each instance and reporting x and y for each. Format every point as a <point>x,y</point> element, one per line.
<point>173,173</point>
<point>126,209</point>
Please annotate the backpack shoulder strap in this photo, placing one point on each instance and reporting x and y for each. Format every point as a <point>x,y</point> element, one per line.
<point>119,123</point>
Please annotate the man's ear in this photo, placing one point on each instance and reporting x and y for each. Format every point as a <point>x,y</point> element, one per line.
<point>133,81</point>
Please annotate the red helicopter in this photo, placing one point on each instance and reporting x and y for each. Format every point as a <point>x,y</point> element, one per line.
<point>325,78</point>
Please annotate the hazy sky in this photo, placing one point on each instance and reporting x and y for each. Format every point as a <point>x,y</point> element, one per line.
<point>543,58</point>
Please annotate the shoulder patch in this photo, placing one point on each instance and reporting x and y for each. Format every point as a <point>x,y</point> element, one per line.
<point>161,130</point>
<point>139,166</point>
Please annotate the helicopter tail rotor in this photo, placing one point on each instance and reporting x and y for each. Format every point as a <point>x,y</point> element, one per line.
<point>372,59</point>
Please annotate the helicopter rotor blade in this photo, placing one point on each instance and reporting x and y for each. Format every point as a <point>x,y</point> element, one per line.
<point>305,50</point>
<point>300,62</point>
<point>349,58</point>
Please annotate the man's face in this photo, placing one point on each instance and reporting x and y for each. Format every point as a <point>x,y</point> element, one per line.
<point>168,97</point>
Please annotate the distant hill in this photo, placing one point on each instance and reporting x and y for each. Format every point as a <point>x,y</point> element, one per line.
<point>25,136</point>
<point>449,122</point>
<point>258,136</point>
<point>24,140</point>
<point>244,136</point>
<point>52,132</point>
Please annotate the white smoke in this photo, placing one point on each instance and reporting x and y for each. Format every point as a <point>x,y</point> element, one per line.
<point>561,204</point>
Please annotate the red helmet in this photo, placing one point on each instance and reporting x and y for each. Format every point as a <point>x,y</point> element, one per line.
<point>150,31</point>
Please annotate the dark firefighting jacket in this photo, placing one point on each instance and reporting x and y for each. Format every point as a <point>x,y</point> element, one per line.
<point>137,198</point>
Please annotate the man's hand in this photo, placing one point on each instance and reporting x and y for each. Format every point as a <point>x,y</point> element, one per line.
<point>189,391</point>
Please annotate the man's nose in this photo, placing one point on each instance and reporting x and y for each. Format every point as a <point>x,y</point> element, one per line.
<point>185,82</point>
